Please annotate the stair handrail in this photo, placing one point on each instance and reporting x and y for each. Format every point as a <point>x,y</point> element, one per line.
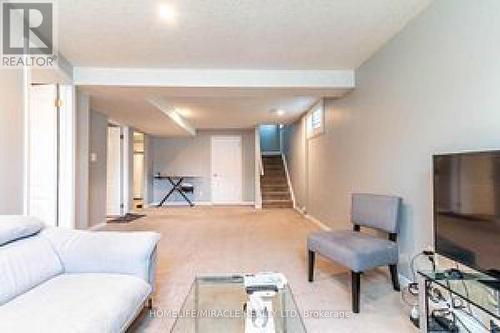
<point>288,179</point>
<point>259,170</point>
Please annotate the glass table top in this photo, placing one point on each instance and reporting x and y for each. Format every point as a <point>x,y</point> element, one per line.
<point>218,304</point>
<point>478,288</point>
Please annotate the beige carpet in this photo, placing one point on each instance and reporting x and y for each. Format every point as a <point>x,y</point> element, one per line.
<point>237,239</point>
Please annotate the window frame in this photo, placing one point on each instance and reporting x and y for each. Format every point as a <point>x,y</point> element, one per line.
<point>312,131</point>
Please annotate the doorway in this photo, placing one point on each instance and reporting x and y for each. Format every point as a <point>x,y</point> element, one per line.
<point>227,173</point>
<point>114,169</point>
<point>50,154</point>
<point>139,171</point>
<point>43,152</point>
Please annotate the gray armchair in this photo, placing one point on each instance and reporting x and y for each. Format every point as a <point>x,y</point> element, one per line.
<point>359,251</point>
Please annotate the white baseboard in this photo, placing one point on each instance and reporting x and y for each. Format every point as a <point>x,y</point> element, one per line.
<point>313,219</point>
<point>299,210</point>
<point>202,203</point>
<point>179,203</point>
<point>240,203</point>
<point>97,226</point>
<point>317,222</point>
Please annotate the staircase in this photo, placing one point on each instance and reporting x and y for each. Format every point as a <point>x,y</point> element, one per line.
<point>274,184</point>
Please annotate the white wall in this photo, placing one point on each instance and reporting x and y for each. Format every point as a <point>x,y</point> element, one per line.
<point>295,151</point>
<point>434,88</point>
<point>11,141</point>
<point>269,138</point>
<point>97,170</point>
<point>148,165</point>
<point>82,160</point>
<point>192,156</point>
<point>128,154</point>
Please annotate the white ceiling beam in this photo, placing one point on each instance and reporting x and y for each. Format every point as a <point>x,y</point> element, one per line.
<point>61,73</point>
<point>212,78</point>
<point>167,109</point>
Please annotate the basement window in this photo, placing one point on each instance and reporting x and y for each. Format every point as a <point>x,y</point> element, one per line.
<point>316,120</point>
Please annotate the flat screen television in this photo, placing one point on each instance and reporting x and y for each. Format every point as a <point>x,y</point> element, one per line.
<point>467,209</point>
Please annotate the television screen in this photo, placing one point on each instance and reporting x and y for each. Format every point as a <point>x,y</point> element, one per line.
<point>467,209</point>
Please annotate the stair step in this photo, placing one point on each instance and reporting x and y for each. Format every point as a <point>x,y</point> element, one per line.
<point>274,181</point>
<point>274,173</point>
<point>274,187</point>
<point>274,167</point>
<point>277,204</point>
<point>271,175</point>
<point>276,196</point>
<point>274,192</point>
<point>273,161</point>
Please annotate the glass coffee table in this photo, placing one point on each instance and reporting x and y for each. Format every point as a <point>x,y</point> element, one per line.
<point>218,304</point>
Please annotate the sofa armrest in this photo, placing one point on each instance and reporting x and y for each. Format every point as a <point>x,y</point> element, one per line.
<point>132,253</point>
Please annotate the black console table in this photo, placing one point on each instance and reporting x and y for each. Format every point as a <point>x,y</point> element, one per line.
<point>176,182</point>
<point>451,303</point>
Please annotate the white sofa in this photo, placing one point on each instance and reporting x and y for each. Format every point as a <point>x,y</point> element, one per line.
<point>59,280</point>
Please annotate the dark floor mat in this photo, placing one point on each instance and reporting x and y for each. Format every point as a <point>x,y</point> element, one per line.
<point>129,217</point>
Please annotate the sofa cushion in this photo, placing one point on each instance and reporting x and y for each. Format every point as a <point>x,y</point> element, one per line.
<point>355,250</point>
<point>25,264</point>
<point>14,227</point>
<point>87,302</point>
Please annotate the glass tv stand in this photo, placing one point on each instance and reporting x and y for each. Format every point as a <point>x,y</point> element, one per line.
<point>468,303</point>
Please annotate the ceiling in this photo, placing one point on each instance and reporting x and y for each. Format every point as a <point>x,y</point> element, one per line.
<point>246,34</point>
<point>202,108</point>
<point>309,35</point>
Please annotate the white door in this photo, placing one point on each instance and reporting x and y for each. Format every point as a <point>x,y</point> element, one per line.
<point>138,175</point>
<point>227,175</point>
<point>114,170</point>
<point>138,165</point>
<point>67,156</point>
<point>42,150</point>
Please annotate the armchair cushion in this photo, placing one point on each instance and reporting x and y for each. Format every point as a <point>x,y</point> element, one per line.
<point>355,250</point>
<point>80,251</point>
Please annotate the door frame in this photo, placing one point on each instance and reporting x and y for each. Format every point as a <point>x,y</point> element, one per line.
<point>65,108</point>
<point>29,159</point>
<point>212,139</point>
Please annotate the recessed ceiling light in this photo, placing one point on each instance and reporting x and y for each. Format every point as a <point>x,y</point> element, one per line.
<point>278,112</point>
<point>168,13</point>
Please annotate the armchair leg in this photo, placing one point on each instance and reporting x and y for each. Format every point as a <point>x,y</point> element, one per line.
<point>356,277</point>
<point>394,276</point>
<point>311,265</point>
